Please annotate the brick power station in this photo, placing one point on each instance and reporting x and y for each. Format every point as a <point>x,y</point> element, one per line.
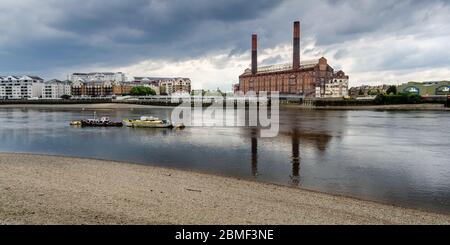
<point>304,78</point>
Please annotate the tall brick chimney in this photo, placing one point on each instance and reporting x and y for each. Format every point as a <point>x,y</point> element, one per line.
<point>254,54</point>
<point>296,56</point>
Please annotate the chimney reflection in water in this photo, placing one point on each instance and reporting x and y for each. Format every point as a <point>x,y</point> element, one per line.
<point>295,177</point>
<point>295,158</point>
<point>254,139</point>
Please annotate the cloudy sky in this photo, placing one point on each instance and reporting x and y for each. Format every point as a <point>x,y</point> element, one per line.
<point>209,41</point>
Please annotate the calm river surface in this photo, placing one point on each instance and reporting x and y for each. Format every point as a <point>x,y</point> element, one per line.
<point>393,157</point>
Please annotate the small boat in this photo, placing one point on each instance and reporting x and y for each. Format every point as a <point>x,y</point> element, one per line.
<point>148,122</point>
<point>75,123</point>
<point>102,122</point>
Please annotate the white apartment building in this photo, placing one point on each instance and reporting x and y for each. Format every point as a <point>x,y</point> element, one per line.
<point>54,89</point>
<point>24,87</point>
<point>115,77</point>
<point>2,92</point>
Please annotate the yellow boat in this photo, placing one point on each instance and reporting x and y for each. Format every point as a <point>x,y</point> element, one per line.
<point>148,122</point>
<point>75,123</point>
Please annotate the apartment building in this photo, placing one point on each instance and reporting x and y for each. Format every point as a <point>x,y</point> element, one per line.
<point>21,87</point>
<point>55,88</point>
<point>99,84</point>
<point>175,85</point>
<point>164,85</point>
<point>92,89</point>
<point>2,92</point>
<point>336,87</point>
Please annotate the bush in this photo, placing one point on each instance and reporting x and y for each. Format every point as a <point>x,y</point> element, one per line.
<point>141,91</point>
<point>401,98</point>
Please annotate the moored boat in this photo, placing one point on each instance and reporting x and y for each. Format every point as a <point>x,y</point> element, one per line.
<point>102,122</point>
<point>148,122</point>
<point>75,123</point>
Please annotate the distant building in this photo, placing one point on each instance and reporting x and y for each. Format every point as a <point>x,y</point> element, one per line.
<point>54,89</point>
<point>99,84</point>
<point>175,85</point>
<point>114,77</point>
<point>426,88</point>
<point>23,87</point>
<point>304,78</point>
<point>2,92</point>
<point>82,88</point>
<point>155,81</point>
<point>336,87</point>
<point>164,85</point>
<point>235,88</point>
<point>122,89</point>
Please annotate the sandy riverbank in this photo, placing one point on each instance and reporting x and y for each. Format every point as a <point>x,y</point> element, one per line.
<point>36,189</point>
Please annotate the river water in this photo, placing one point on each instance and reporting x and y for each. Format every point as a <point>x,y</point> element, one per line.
<point>395,157</point>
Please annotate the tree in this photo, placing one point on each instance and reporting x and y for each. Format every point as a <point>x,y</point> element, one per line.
<point>392,90</point>
<point>360,92</point>
<point>141,91</point>
<point>66,97</point>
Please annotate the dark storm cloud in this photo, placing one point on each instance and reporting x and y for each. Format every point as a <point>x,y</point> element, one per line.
<point>118,32</point>
<point>47,36</point>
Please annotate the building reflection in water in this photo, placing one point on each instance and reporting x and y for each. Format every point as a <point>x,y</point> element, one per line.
<point>295,139</point>
<point>254,140</point>
<point>318,140</point>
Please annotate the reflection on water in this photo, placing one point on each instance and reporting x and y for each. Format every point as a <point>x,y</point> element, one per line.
<point>393,157</point>
<point>254,139</point>
<point>295,177</point>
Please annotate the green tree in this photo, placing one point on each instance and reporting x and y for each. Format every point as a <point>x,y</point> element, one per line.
<point>141,91</point>
<point>392,90</point>
<point>400,98</point>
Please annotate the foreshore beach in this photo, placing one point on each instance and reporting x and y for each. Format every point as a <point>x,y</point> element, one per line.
<point>38,189</point>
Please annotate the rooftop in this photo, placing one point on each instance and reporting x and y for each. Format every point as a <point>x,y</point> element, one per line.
<point>22,77</point>
<point>58,81</point>
<point>95,73</point>
<point>283,67</point>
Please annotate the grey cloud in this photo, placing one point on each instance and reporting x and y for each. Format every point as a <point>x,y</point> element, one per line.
<point>272,60</point>
<point>340,54</point>
<point>121,32</point>
<point>56,36</point>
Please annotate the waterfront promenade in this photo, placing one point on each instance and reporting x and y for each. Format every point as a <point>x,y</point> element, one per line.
<point>37,189</point>
<point>111,105</point>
